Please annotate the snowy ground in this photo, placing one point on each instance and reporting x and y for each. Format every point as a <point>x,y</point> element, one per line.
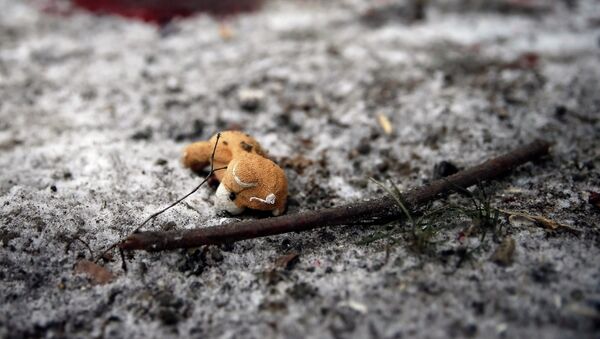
<point>94,113</point>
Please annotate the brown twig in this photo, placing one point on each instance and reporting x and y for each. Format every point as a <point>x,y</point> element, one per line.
<point>377,210</point>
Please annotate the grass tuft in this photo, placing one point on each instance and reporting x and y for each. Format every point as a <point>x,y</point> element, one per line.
<point>424,225</point>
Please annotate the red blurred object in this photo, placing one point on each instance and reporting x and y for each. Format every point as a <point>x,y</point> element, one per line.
<point>162,11</point>
<point>528,60</point>
<point>594,199</point>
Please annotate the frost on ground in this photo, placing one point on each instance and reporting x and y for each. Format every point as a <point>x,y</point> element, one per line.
<point>95,110</point>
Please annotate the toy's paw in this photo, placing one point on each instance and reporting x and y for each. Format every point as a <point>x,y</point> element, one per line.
<point>276,212</point>
<point>197,156</point>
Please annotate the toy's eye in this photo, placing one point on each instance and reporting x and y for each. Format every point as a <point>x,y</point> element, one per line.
<point>232,196</point>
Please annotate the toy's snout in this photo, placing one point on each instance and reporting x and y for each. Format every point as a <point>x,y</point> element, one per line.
<point>225,199</point>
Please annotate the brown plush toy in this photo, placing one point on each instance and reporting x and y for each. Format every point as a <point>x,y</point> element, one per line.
<point>251,179</point>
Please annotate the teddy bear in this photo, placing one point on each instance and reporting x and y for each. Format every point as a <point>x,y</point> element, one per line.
<point>251,179</point>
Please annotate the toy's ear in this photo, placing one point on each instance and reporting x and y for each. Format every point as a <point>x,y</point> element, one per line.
<point>243,174</point>
<point>269,199</point>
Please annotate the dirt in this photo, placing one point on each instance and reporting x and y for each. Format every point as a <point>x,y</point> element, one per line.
<point>95,111</point>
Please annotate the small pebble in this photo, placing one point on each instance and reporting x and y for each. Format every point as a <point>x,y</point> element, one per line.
<point>285,245</point>
<point>444,169</point>
<point>250,99</point>
<point>173,85</point>
<point>168,316</point>
<point>544,273</point>
<point>364,147</point>
<point>143,134</point>
<point>560,111</point>
<point>382,167</point>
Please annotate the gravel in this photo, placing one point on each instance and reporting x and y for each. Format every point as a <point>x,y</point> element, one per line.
<point>95,110</point>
